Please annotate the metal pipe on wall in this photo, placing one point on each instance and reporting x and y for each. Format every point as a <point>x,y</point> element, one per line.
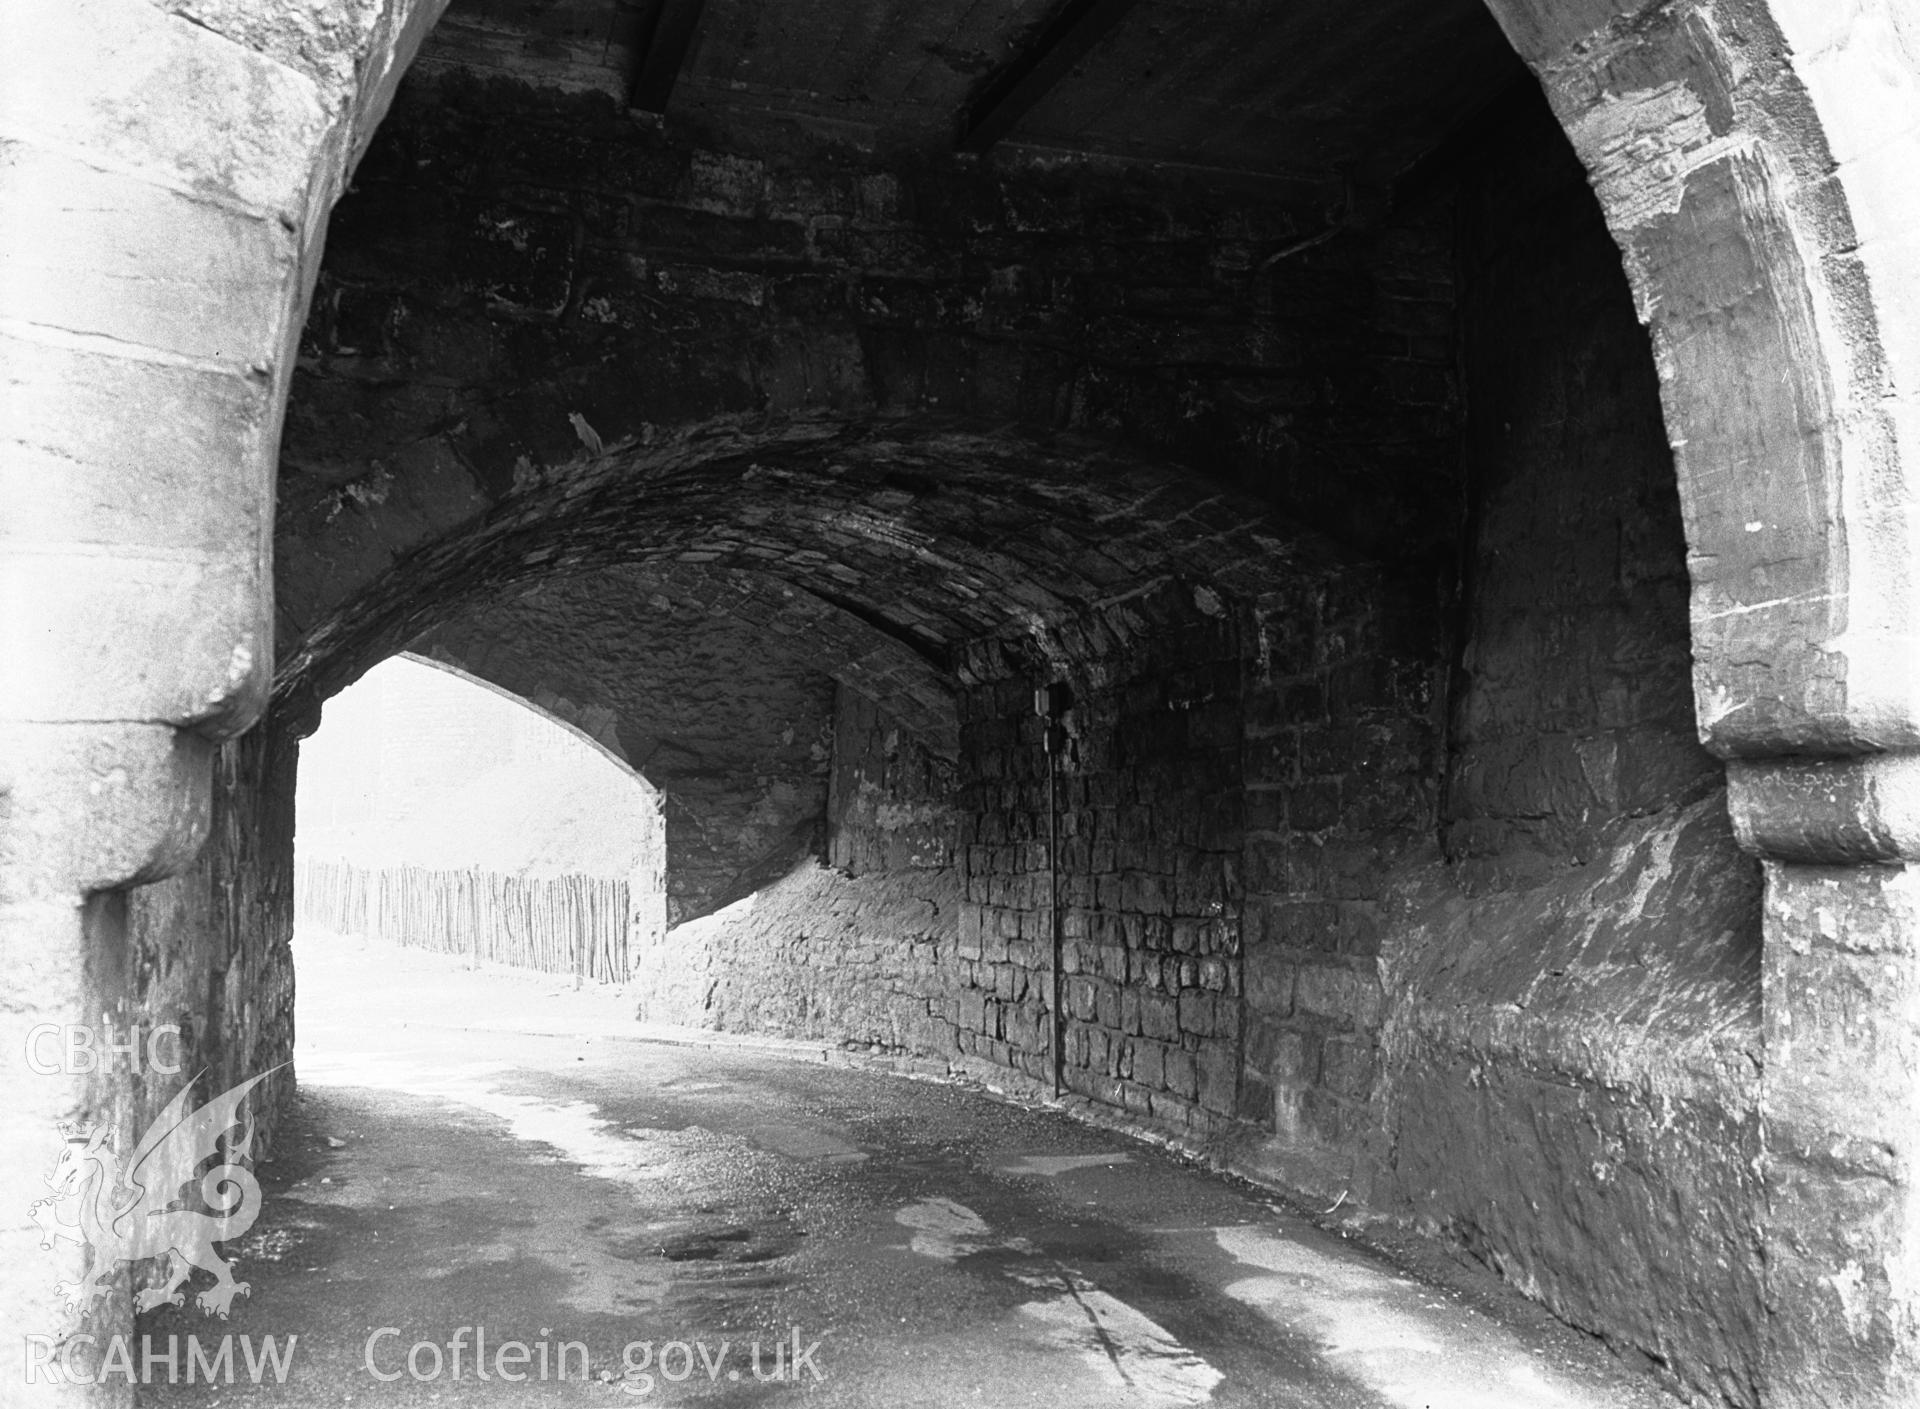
<point>1051,703</point>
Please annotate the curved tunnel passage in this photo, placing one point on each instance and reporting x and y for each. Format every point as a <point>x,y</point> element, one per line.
<point>732,719</point>
<point>1334,874</point>
<point>1372,640</point>
<point>904,560</point>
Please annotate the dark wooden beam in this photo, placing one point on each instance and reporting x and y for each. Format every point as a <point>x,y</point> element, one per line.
<point>662,31</point>
<point>1063,41</point>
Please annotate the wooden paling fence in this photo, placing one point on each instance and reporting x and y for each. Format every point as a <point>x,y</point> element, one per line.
<point>561,924</point>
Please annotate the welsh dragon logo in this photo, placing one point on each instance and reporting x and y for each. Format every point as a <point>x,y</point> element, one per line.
<point>127,1212</point>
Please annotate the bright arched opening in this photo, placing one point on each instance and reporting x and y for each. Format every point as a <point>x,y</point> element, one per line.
<point>436,811</point>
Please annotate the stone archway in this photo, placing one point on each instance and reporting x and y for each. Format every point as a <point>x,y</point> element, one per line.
<point>1751,158</point>
<point>1743,157</point>
<point>169,179</point>
<point>1751,162</point>
<point>544,795</point>
<point>872,553</point>
<point>722,685</point>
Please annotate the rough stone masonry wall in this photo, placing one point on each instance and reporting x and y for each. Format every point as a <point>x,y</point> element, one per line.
<point>1571,1034</point>
<point>1237,781</point>
<point>1342,735</point>
<point>1565,1001</point>
<point>209,949</point>
<point>890,801</point>
<point>1146,800</point>
<point>520,275</point>
<point>859,952</point>
<point>1220,760</point>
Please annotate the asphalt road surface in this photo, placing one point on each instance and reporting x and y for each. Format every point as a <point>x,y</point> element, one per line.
<point>490,1174</point>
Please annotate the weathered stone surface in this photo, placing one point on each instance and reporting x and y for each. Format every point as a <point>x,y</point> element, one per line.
<point>1573,706</point>
<point>209,948</point>
<point>166,192</point>
<point>179,105</point>
<point>817,954</point>
<point>1254,758</point>
<point>577,342</point>
<point>891,802</point>
<point>1841,991</point>
<point>1600,1032</point>
<point>88,807</point>
<point>1339,766</point>
<point>65,964</point>
<point>1704,131</point>
<point>1829,810</point>
<point>1570,1041</point>
<point>514,261</point>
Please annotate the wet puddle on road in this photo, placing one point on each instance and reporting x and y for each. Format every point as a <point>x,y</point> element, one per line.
<point>615,1265</point>
<point>1387,1335</point>
<point>947,1231</point>
<point>1115,1343</point>
<point>1390,1332</point>
<point>1063,1323</point>
<point>1126,1355</point>
<point>1053,1166</point>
